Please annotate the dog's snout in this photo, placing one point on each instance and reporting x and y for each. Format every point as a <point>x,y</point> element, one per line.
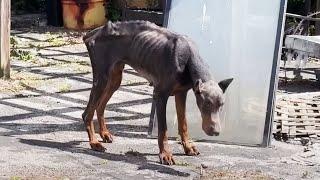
<point>211,131</point>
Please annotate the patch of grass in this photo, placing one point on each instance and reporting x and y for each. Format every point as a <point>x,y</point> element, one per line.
<point>228,174</point>
<point>57,41</point>
<point>182,164</point>
<point>84,63</point>
<point>15,178</point>
<point>72,41</point>
<point>65,178</point>
<point>129,82</point>
<point>13,41</point>
<point>37,47</point>
<point>305,175</point>
<point>10,86</point>
<point>20,81</point>
<point>63,88</point>
<point>22,55</point>
<point>103,162</point>
<point>82,69</point>
<point>73,67</point>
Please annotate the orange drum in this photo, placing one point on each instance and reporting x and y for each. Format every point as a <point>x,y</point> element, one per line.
<point>83,14</point>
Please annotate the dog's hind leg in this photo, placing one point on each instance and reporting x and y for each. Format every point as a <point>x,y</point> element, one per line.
<point>189,149</point>
<point>99,84</point>
<point>114,82</point>
<point>165,154</point>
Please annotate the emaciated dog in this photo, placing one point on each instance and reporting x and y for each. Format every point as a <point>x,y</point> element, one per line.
<point>169,61</point>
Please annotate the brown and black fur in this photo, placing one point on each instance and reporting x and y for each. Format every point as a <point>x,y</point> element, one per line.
<point>169,61</point>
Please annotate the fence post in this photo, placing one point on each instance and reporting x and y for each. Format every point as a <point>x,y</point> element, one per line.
<point>317,26</point>
<point>306,24</point>
<point>5,16</point>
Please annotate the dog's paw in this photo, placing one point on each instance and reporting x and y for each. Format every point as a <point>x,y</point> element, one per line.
<point>189,148</point>
<point>97,146</point>
<point>191,151</point>
<point>107,137</point>
<point>166,158</point>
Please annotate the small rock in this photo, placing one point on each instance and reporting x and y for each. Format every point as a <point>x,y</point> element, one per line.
<point>204,166</point>
<point>304,141</point>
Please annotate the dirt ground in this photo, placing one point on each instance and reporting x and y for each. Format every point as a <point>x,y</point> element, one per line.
<point>42,135</point>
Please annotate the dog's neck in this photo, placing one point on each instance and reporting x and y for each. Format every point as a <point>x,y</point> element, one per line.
<point>198,70</point>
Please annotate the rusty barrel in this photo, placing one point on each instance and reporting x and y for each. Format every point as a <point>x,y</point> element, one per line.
<point>83,14</point>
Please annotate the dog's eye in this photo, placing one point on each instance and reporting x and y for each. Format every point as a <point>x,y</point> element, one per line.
<point>208,107</point>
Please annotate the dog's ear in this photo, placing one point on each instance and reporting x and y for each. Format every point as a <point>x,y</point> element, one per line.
<point>198,86</point>
<point>112,29</point>
<point>224,84</point>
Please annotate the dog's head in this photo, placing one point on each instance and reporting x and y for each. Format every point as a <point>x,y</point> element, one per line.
<point>210,99</point>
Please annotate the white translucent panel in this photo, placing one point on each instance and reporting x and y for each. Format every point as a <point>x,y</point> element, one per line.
<point>238,39</point>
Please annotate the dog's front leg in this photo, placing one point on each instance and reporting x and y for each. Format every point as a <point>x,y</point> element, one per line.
<point>188,147</point>
<point>165,154</point>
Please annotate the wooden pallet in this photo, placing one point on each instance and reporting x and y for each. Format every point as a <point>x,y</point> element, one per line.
<point>297,117</point>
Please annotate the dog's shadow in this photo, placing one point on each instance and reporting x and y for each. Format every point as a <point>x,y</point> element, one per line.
<point>131,157</point>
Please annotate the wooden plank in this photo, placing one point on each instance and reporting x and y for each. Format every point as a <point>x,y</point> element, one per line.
<point>285,129</point>
<point>307,101</point>
<point>299,113</point>
<point>302,17</point>
<point>5,14</point>
<point>309,125</point>
<point>297,120</point>
<point>276,126</point>
<point>292,129</point>
<point>305,108</point>
<point>309,131</point>
<point>298,116</point>
<point>317,24</point>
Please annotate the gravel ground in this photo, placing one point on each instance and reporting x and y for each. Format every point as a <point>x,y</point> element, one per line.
<point>43,137</point>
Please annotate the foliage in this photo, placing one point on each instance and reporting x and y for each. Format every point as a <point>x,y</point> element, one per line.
<point>20,54</point>
<point>64,88</point>
<point>15,178</point>
<point>56,42</point>
<point>114,14</point>
<point>27,6</point>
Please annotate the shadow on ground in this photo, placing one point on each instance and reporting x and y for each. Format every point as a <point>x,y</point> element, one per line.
<point>21,124</point>
<point>131,157</point>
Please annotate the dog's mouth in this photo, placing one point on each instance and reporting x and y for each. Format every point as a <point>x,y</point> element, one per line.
<point>211,124</point>
<point>211,131</point>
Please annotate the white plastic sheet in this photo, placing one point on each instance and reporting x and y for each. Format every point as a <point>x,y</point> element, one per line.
<point>239,39</point>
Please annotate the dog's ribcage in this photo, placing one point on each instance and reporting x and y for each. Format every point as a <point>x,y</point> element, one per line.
<point>148,44</point>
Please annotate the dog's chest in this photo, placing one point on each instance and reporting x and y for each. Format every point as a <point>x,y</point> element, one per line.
<point>145,74</point>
